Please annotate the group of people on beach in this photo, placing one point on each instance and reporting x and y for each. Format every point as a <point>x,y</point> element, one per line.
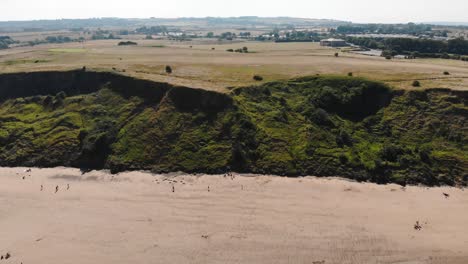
<point>57,188</point>
<point>7,256</point>
<point>229,174</point>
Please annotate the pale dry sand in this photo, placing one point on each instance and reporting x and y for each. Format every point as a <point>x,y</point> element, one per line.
<point>136,218</point>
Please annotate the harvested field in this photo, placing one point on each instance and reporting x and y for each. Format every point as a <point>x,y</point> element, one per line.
<point>203,67</point>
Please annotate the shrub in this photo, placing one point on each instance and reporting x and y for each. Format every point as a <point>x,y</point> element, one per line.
<point>58,101</point>
<point>350,74</point>
<point>388,57</point>
<point>48,100</point>
<point>416,84</point>
<point>343,159</point>
<point>258,78</point>
<point>425,153</point>
<point>321,117</point>
<point>127,43</point>
<point>230,50</point>
<point>61,95</point>
<point>391,152</point>
<point>446,73</point>
<point>336,54</point>
<point>168,69</point>
<point>343,139</point>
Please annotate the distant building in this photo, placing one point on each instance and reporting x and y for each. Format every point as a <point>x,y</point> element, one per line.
<point>331,42</point>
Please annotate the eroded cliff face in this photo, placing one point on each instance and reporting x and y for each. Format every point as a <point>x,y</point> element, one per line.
<point>81,82</point>
<point>324,126</point>
<point>80,118</point>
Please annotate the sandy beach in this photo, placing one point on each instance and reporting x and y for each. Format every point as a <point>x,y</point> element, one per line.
<point>139,217</point>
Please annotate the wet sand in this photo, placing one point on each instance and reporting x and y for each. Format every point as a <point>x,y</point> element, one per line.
<point>136,218</point>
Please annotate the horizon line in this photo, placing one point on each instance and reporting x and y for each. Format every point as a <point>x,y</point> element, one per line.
<point>453,23</point>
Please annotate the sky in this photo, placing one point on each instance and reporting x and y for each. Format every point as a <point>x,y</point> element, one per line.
<point>376,11</point>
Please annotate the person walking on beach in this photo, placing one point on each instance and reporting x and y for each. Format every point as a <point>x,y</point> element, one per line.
<point>417,226</point>
<point>56,189</point>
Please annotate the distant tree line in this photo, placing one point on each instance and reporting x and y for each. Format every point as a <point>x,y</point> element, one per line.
<point>152,30</point>
<point>410,29</point>
<point>58,39</point>
<point>244,34</point>
<point>229,35</point>
<point>415,47</point>
<point>298,36</point>
<point>54,39</point>
<point>6,41</point>
<point>103,34</point>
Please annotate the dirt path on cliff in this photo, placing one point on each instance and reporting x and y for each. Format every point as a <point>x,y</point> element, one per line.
<point>136,218</point>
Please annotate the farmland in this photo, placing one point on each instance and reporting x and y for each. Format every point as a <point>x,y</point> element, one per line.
<point>205,63</point>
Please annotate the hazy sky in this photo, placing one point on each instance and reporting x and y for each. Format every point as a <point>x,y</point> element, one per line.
<point>349,10</point>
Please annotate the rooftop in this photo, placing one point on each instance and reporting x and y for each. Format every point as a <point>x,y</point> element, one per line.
<point>332,39</point>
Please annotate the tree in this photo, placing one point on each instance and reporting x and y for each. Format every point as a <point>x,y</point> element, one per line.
<point>416,84</point>
<point>3,45</point>
<point>209,34</point>
<point>168,69</point>
<point>245,49</point>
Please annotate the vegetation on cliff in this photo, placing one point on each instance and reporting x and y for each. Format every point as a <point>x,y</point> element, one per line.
<point>324,126</point>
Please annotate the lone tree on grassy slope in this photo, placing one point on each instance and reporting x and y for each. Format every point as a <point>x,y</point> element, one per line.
<point>258,78</point>
<point>416,84</point>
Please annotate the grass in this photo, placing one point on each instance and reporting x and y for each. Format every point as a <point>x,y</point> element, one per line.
<point>216,69</point>
<point>69,50</point>
<point>16,62</point>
